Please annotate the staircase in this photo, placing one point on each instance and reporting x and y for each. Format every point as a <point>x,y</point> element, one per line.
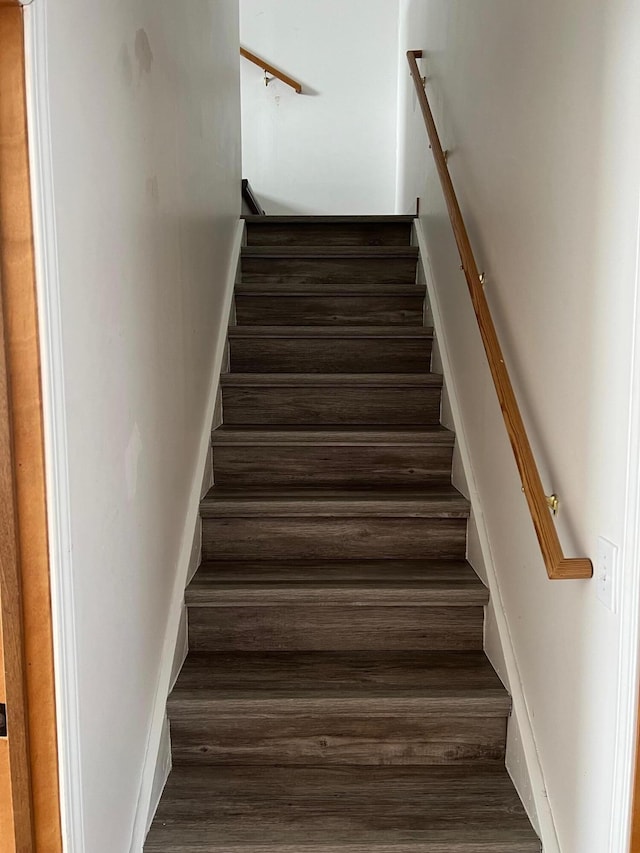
<point>336,697</point>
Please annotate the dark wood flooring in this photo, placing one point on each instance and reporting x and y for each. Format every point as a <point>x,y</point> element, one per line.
<point>336,698</point>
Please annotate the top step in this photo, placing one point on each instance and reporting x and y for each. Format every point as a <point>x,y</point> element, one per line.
<point>329,230</point>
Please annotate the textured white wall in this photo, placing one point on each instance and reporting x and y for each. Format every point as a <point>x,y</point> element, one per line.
<point>538,103</point>
<point>145,107</point>
<point>332,149</point>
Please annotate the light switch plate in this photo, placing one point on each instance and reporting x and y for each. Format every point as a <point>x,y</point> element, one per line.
<point>606,572</point>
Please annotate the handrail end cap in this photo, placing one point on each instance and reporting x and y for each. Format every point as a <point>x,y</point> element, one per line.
<point>571,568</point>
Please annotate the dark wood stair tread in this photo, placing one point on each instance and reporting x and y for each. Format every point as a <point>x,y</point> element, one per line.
<point>321,288</point>
<point>323,252</point>
<point>451,682</point>
<point>359,332</point>
<point>436,502</point>
<point>270,809</point>
<point>228,435</point>
<point>382,582</point>
<point>319,380</point>
<point>336,698</point>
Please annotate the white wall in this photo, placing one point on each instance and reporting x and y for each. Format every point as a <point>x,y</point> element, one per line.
<point>538,103</point>
<point>333,148</point>
<point>144,101</point>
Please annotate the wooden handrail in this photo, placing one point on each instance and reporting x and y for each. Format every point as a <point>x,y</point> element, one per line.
<point>558,566</point>
<point>271,70</point>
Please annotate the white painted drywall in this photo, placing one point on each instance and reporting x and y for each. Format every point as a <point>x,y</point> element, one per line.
<point>331,149</point>
<point>538,103</point>
<point>145,134</point>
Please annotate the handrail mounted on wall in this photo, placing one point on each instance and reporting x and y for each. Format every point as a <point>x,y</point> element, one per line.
<point>558,566</point>
<point>271,69</point>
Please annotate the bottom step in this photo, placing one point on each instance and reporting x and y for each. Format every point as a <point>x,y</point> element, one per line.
<point>270,809</point>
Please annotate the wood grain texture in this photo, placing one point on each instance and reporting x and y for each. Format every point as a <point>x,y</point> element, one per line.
<point>330,405</point>
<point>333,538</point>
<point>340,809</point>
<point>342,288</point>
<point>334,627</point>
<point>323,231</point>
<point>271,69</point>
<point>464,682</point>
<point>7,831</point>
<point>438,502</point>
<point>434,435</point>
<point>201,735</point>
<point>354,465</point>
<point>301,271</point>
<point>302,351</point>
<point>318,254</point>
<point>331,380</point>
<point>401,309</point>
<point>24,591</point>
<point>323,332</point>
<point>558,566</point>
<point>446,582</point>
<point>337,707</point>
<point>385,264</point>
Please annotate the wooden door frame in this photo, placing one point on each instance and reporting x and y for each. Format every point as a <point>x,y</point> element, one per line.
<point>24,559</point>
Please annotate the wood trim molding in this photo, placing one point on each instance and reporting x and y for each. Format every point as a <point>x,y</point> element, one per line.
<point>558,566</point>
<point>271,69</point>
<point>30,595</point>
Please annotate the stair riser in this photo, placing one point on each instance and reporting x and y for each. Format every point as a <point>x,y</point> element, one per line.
<point>330,310</point>
<point>335,234</point>
<point>380,270</point>
<point>353,466</point>
<point>325,738</point>
<point>330,538</point>
<point>309,406</point>
<point>335,628</point>
<point>337,355</point>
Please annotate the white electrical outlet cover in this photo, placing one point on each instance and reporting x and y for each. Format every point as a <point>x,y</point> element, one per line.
<point>606,572</point>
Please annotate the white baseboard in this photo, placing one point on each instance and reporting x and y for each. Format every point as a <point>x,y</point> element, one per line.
<point>523,761</point>
<point>182,647</point>
<point>154,773</point>
<point>162,770</point>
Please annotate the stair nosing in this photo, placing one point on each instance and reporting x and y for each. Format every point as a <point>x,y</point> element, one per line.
<point>369,380</point>
<point>333,289</point>
<point>489,699</point>
<point>297,436</point>
<point>302,332</point>
<point>265,597</point>
<point>344,503</point>
<point>330,252</point>
<point>462,705</point>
